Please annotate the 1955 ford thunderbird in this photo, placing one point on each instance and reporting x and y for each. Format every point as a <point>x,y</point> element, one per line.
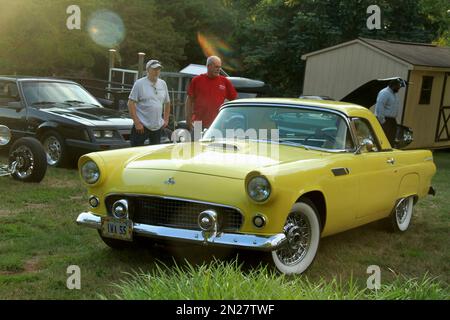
<point>269,174</point>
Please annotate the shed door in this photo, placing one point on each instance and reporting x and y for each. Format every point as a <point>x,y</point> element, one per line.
<point>443,127</point>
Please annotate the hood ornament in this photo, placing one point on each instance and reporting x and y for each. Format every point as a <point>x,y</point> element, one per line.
<point>170,181</point>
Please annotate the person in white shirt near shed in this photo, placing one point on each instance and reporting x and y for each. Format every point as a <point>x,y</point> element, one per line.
<point>387,108</point>
<point>147,100</point>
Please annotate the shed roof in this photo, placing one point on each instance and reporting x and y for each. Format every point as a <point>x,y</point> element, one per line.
<point>417,54</point>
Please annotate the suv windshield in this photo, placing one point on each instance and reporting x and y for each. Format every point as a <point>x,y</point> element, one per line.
<point>47,93</point>
<point>285,125</point>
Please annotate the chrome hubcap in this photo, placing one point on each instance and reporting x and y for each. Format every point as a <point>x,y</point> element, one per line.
<point>52,150</point>
<point>298,233</point>
<point>24,161</point>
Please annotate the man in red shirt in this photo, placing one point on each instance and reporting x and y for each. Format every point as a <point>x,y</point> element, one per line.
<point>206,94</point>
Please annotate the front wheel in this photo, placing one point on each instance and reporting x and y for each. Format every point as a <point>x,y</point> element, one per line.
<point>29,159</point>
<point>302,230</point>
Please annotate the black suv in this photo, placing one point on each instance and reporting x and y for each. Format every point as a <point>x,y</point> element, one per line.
<point>61,114</point>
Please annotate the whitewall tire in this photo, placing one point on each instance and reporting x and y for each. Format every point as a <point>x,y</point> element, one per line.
<point>303,230</point>
<point>401,217</point>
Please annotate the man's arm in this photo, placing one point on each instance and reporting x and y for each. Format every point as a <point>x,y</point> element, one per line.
<point>166,113</point>
<point>137,122</point>
<point>231,91</point>
<point>379,107</point>
<point>189,106</point>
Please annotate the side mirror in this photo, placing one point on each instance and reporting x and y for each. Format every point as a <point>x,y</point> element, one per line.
<point>366,144</point>
<point>404,137</point>
<point>203,132</point>
<point>180,135</point>
<point>5,135</point>
<point>15,105</point>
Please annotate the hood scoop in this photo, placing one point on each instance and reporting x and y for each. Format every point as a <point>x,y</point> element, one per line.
<point>223,146</point>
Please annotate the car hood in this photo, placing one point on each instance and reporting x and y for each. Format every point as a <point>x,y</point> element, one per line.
<point>366,95</point>
<point>91,116</point>
<point>233,160</point>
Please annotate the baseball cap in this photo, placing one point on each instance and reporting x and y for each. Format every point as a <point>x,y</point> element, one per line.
<point>153,64</point>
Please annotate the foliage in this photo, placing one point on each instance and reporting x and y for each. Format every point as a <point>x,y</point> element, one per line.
<point>266,37</point>
<point>275,34</point>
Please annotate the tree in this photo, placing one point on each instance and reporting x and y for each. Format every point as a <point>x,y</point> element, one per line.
<point>274,34</point>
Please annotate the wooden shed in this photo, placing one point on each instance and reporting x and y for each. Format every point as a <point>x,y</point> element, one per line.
<point>425,103</point>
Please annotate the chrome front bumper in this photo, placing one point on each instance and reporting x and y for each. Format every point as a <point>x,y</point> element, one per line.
<point>245,241</point>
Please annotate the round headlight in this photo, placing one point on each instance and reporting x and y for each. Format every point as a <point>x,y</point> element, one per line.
<point>5,135</point>
<point>258,188</point>
<point>90,172</point>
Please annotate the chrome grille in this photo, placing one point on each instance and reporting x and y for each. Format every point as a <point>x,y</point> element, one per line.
<point>175,213</point>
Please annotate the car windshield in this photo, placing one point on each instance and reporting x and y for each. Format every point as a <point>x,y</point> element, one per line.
<point>44,94</point>
<point>297,126</point>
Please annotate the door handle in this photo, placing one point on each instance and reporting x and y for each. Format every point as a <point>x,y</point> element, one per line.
<point>390,160</point>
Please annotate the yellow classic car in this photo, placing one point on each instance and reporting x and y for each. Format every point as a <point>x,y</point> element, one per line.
<point>269,174</point>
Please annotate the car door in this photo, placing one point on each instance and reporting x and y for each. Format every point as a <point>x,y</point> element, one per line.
<point>377,173</point>
<point>12,108</point>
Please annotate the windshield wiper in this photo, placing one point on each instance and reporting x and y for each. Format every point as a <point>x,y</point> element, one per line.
<point>74,101</point>
<point>42,103</point>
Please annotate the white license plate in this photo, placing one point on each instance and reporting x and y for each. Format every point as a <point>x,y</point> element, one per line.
<point>117,228</point>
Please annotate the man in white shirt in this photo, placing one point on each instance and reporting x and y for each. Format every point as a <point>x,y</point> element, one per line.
<point>147,100</point>
<point>387,107</point>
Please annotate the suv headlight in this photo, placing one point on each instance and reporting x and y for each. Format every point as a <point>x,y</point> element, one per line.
<point>103,134</point>
<point>90,172</point>
<point>258,188</point>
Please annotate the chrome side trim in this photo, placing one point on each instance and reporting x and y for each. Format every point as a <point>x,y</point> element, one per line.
<point>245,241</point>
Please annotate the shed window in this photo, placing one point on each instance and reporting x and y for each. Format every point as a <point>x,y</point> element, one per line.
<point>425,92</point>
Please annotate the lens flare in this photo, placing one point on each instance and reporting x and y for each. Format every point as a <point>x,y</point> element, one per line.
<point>106,28</point>
<point>213,46</point>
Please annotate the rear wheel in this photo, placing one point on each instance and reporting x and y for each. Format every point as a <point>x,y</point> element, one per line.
<point>401,216</point>
<point>302,230</point>
<point>30,160</point>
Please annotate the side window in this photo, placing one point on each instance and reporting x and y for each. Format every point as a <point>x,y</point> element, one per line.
<point>8,92</point>
<point>425,91</point>
<point>364,131</point>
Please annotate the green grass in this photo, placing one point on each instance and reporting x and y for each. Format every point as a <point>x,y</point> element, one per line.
<point>39,240</point>
<point>228,281</point>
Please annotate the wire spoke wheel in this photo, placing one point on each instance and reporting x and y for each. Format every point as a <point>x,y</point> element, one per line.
<point>298,232</point>
<point>402,214</point>
<point>302,230</point>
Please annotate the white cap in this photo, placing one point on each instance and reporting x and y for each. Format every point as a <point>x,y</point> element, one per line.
<point>153,64</point>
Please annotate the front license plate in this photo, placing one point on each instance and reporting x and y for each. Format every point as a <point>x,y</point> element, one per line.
<point>117,228</point>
